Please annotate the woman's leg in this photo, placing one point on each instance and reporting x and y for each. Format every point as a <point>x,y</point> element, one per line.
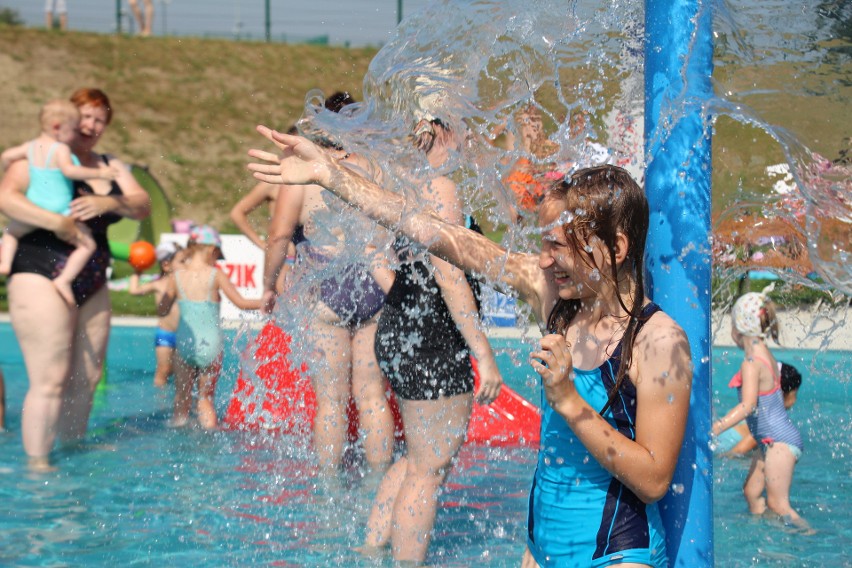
<point>754,484</point>
<point>330,372</point>
<point>2,402</point>
<point>87,363</point>
<point>780,463</point>
<point>44,327</point>
<point>369,390</point>
<point>207,395</point>
<point>434,432</point>
<point>378,531</point>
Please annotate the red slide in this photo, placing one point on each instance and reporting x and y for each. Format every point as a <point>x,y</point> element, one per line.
<point>288,403</point>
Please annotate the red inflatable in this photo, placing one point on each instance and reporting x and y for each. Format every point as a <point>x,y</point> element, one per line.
<point>288,403</point>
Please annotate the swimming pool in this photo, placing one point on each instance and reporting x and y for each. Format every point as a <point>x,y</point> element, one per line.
<point>139,493</point>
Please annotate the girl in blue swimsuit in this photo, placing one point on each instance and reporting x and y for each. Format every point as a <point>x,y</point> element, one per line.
<point>197,287</point>
<point>762,406</point>
<point>616,371</point>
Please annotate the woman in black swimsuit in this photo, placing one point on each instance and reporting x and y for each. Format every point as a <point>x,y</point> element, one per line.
<point>64,346</point>
<point>427,334</point>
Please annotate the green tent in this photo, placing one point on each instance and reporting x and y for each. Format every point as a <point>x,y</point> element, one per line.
<point>128,231</point>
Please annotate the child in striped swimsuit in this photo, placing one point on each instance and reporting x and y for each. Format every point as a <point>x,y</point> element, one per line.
<point>762,406</point>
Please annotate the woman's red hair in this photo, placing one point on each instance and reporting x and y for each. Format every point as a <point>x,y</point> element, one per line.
<point>94,97</point>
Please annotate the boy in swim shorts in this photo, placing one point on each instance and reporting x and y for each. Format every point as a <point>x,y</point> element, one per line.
<point>170,255</point>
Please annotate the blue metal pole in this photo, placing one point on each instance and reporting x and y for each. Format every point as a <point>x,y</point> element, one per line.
<point>678,69</point>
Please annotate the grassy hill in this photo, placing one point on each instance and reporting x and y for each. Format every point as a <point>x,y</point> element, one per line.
<point>185,107</point>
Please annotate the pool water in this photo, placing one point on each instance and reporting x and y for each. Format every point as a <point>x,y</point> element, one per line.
<point>139,493</point>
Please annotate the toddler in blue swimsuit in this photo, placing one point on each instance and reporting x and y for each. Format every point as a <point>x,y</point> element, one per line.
<point>197,287</point>
<point>52,167</point>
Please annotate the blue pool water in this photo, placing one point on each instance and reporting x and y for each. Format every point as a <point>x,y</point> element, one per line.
<point>139,493</point>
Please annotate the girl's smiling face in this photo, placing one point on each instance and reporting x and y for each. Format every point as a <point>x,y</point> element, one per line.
<point>571,270</point>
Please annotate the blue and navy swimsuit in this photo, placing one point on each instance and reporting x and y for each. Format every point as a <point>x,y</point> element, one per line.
<point>579,514</point>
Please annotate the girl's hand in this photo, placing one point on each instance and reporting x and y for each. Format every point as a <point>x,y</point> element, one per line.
<point>267,302</point>
<point>108,172</point>
<point>300,162</point>
<point>90,206</point>
<point>555,366</point>
<point>490,381</point>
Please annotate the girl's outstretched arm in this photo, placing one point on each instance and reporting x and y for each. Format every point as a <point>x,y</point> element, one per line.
<point>301,162</point>
<point>230,291</point>
<point>137,288</point>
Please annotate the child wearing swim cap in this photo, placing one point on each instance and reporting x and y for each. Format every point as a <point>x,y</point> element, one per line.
<point>198,286</point>
<point>753,319</point>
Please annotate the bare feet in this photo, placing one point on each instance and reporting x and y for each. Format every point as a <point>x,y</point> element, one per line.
<point>40,465</point>
<point>64,289</point>
<point>798,523</point>
<point>178,422</point>
<point>368,551</point>
<point>160,381</point>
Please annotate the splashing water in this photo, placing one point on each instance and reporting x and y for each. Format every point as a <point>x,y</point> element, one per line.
<point>485,67</point>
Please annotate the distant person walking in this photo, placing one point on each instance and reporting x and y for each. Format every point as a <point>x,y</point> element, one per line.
<point>58,7</point>
<point>144,21</point>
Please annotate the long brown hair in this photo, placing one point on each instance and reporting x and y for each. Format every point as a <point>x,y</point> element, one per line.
<point>604,201</point>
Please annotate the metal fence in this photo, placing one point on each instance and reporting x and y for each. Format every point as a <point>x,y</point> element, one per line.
<point>356,22</point>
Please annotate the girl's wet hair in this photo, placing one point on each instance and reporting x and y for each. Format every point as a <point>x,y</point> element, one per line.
<point>338,100</point>
<point>791,378</point>
<point>425,136</point>
<point>769,321</point>
<point>334,103</point>
<point>604,201</point>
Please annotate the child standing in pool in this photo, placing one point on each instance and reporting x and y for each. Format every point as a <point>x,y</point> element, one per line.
<point>616,370</point>
<point>738,441</point>
<point>170,255</point>
<point>52,168</point>
<point>197,287</point>
<point>761,404</point>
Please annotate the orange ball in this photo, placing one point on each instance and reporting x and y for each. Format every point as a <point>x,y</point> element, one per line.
<point>142,255</point>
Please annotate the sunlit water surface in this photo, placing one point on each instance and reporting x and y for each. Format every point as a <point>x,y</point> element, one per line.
<point>140,493</point>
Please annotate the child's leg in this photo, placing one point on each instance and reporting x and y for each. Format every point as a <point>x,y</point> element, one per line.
<point>14,231</point>
<point>754,484</point>
<point>207,395</point>
<point>780,463</point>
<point>85,247</point>
<point>2,402</point>
<point>184,377</point>
<point>164,365</point>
